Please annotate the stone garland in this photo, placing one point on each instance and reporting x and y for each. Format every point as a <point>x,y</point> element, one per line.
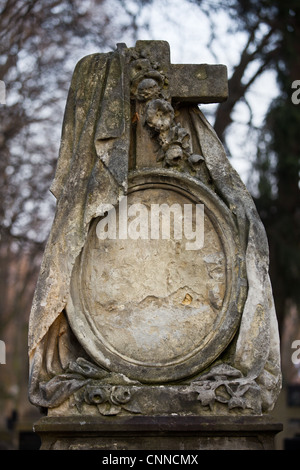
<point>115,393</point>
<point>149,85</point>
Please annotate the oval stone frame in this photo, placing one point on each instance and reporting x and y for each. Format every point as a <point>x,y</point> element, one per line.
<point>226,325</point>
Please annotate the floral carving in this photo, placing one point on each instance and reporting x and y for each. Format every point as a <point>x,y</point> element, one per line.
<point>159,115</point>
<point>147,80</point>
<point>110,401</point>
<point>113,394</point>
<point>225,384</point>
<point>147,89</point>
<point>149,85</point>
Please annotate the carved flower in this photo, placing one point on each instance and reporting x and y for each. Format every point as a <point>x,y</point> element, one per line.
<point>95,395</point>
<point>173,155</point>
<point>159,115</point>
<point>146,79</point>
<point>120,395</point>
<point>147,89</point>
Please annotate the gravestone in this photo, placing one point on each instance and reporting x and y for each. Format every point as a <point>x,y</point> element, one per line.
<point>153,323</point>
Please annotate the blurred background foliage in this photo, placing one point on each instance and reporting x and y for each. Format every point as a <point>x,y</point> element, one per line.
<point>40,43</point>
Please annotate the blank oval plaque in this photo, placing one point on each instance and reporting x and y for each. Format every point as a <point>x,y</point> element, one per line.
<point>146,303</point>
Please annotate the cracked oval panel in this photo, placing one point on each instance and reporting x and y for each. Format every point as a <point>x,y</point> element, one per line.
<point>152,298</point>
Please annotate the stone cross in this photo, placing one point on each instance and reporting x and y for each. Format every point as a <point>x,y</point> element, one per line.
<point>186,83</point>
<point>192,83</point>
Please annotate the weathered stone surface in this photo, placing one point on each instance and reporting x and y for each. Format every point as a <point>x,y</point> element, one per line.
<point>199,83</point>
<point>162,312</point>
<point>133,324</point>
<point>164,433</point>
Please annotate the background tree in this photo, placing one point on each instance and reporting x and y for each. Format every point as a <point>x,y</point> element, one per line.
<point>272,30</point>
<point>278,163</point>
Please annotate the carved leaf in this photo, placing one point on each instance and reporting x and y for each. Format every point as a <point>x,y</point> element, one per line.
<point>106,409</point>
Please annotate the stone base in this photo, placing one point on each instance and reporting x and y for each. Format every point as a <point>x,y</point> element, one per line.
<point>157,433</point>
